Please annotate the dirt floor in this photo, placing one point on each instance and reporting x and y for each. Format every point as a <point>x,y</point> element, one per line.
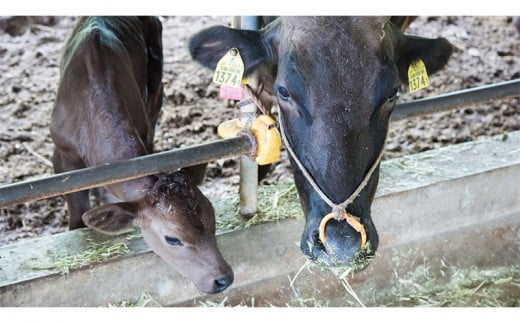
<point>487,52</point>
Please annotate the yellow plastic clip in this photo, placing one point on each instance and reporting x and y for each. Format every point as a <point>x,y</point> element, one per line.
<point>267,137</point>
<point>229,129</point>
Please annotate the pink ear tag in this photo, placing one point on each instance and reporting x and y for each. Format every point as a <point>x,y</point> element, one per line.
<point>231,92</point>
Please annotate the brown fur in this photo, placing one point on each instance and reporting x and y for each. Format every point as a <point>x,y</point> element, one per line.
<point>108,100</point>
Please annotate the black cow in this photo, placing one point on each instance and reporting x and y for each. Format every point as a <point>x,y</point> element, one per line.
<point>336,81</point>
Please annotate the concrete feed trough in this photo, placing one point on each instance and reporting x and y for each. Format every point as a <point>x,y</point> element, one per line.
<point>448,221</point>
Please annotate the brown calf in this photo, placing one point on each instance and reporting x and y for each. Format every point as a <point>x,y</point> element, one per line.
<point>107,105</point>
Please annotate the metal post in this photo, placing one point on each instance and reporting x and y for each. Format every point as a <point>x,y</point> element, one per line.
<point>248,189</point>
<point>86,178</point>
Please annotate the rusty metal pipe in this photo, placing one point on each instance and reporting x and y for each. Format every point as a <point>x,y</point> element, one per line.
<point>86,178</point>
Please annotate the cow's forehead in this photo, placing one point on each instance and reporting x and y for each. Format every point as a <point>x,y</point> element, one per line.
<point>343,51</point>
<point>366,31</point>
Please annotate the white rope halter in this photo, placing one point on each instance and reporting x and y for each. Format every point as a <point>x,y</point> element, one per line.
<point>338,209</point>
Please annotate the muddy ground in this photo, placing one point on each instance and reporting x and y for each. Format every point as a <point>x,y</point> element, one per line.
<point>487,52</point>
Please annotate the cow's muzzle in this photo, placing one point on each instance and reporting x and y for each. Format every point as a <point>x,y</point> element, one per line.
<point>342,246</point>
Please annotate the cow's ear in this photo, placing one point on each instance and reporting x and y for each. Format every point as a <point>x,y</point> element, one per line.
<point>433,52</point>
<point>116,218</point>
<point>210,45</point>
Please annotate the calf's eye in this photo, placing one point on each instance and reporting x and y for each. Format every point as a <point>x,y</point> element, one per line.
<point>173,241</point>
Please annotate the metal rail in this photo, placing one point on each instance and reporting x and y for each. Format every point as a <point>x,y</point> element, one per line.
<point>87,178</point>
<point>456,99</point>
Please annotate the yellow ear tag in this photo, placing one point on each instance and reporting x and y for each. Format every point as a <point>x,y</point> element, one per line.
<point>230,69</point>
<point>417,76</point>
<point>267,139</point>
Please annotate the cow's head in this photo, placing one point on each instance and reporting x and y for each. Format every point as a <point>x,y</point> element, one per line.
<point>336,81</point>
<point>178,223</point>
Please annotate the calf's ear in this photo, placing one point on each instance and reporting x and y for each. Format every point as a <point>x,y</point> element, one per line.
<point>112,219</point>
<point>433,52</point>
<point>210,45</point>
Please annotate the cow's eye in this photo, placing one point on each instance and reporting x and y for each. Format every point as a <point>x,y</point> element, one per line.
<point>283,93</point>
<point>394,96</point>
<point>173,241</point>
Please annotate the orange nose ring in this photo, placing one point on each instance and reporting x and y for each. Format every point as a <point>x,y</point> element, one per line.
<point>351,220</point>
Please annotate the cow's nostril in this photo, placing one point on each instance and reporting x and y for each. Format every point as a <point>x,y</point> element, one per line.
<point>316,241</point>
<point>222,283</point>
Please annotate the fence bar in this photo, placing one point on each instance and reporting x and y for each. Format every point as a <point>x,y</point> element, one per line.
<point>456,99</point>
<point>166,161</point>
<point>171,160</point>
<point>248,186</point>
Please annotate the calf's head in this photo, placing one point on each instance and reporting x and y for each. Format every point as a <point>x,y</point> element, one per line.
<point>336,81</point>
<point>177,222</point>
